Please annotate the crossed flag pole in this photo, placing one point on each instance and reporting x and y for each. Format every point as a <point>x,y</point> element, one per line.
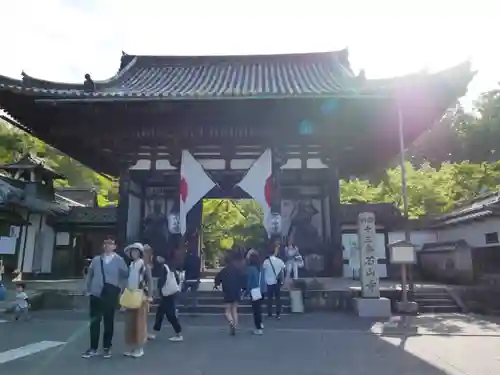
<point>195,183</point>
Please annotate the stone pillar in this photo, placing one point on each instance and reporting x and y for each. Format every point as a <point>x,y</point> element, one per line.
<point>368,257</point>
<point>369,304</point>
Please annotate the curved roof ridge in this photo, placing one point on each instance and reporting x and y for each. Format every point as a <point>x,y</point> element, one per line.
<point>9,81</point>
<point>258,55</point>
<point>29,81</point>
<point>339,56</point>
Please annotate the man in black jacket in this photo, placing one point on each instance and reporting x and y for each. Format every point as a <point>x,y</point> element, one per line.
<point>192,273</point>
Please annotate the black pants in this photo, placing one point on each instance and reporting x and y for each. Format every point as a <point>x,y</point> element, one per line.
<point>257,313</point>
<point>273,292</point>
<point>102,309</point>
<point>167,308</point>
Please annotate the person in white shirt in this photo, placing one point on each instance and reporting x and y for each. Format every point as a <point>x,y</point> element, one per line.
<point>21,307</point>
<point>292,261</point>
<point>273,268</point>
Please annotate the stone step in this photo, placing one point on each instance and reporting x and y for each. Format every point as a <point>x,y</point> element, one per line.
<point>432,296</point>
<point>220,301</point>
<point>217,309</point>
<point>439,309</point>
<point>435,302</point>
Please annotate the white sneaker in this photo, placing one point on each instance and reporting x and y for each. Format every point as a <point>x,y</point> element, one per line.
<point>177,338</point>
<point>128,353</point>
<point>138,353</point>
<point>258,332</point>
<point>151,336</point>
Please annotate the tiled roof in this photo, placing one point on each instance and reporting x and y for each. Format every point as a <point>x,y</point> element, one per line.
<point>197,77</point>
<point>482,207</point>
<point>89,215</point>
<point>13,193</point>
<point>29,162</point>
<point>85,196</point>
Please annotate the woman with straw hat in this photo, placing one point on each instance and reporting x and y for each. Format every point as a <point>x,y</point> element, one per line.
<point>139,280</point>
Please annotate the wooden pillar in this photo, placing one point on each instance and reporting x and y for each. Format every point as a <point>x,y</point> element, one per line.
<point>335,221</point>
<point>175,243</point>
<point>334,256</point>
<point>122,211</point>
<point>278,160</point>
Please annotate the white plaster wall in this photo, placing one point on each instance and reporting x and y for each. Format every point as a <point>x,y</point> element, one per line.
<point>472,232</point>
<point>27,247</point>
<point>48,238</point>
<point>351,252</point>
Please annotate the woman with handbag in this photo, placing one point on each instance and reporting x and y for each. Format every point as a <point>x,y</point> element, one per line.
<point>168,286</point>
<point>255,290</point>
<point>135,300</point>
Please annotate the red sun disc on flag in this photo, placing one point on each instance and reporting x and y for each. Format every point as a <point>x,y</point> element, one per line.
<point>268,190</point>
<point>183,189</point>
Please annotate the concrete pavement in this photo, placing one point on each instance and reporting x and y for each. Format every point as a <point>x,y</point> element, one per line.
<point>314,344</point>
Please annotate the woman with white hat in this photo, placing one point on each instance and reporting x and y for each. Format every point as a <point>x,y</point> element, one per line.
<point>138,280</point>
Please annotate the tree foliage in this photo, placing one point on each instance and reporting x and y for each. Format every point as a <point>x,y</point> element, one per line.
<point>430,190</point>
<point>229,224</point>
<point>14,143</point>
<point>457,160</point>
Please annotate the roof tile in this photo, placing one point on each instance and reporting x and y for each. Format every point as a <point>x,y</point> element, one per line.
<point>193,77</point>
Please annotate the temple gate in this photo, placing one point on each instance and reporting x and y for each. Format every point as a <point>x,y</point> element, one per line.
<point>322,122</point>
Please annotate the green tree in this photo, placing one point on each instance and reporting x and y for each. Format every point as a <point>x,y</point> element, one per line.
<point>231,224</point>
<point>15,142</point>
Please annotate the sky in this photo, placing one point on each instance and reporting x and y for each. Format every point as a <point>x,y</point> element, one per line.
<point>61,40</point>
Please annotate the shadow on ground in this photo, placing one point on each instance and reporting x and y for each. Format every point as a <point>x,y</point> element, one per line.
<point>208,350</point>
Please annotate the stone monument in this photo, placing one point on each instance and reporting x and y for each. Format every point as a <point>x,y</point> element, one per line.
<point>370,304</point>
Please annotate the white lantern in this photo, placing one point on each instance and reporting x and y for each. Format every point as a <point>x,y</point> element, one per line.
<point>174,223</point>
<point>275,224</point>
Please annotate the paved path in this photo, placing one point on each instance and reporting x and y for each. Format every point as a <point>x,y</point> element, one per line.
<point>298,345</point>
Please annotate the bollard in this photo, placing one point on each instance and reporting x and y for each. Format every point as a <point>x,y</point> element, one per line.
<point>296,301</point>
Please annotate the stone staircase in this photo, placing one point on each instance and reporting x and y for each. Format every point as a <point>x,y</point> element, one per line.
<point>435,300</point>
<point>211,303</point>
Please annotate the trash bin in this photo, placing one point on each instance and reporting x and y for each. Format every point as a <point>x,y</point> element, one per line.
<point>296,301</point>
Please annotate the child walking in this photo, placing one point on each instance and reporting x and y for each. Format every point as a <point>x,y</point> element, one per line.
<point>21,308</point>
<point>233,279</point>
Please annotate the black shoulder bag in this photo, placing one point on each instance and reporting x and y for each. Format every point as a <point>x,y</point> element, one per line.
<point>109,291</point>
<point>279,278</point>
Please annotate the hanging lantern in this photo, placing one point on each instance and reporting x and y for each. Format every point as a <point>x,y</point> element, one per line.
<point>174,223</point>
<point>275,224</point>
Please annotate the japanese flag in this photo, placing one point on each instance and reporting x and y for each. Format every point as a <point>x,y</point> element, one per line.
<point>194,184</point>
<point>258,184</point>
